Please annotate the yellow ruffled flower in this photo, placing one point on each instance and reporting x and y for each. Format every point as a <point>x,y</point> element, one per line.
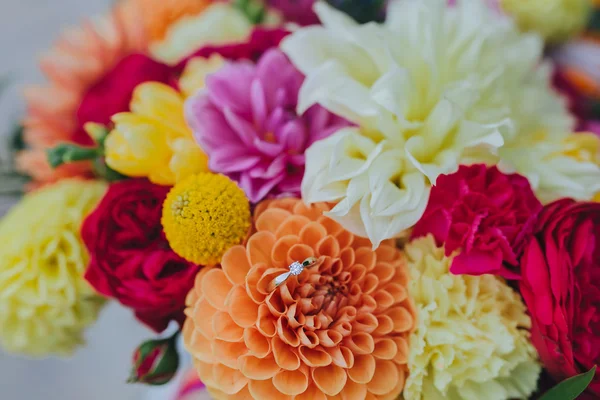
<point>556,166</point>
<point>219,23</point>
<point>153,139</point>
<point>45,303</point>
<point>196,70</point>
<point>205,215</point>
<point>555,20</point>
<point>472,339</point>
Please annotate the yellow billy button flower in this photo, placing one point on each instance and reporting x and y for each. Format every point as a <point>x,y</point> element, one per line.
<point>205,215</point>
<point>153,139</point>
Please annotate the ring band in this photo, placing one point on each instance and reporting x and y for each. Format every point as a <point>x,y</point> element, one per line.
<point>295,269</point>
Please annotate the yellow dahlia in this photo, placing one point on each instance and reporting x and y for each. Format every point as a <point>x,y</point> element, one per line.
<point>80,58</point>
<point>555,20</point>
<point>557,167</point>
<point>203,216</point>
<point>472,340</point>
<point>153,139</point>
<point>45,303</point>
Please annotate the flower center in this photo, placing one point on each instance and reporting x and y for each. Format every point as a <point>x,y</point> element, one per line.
<point>179,204</point>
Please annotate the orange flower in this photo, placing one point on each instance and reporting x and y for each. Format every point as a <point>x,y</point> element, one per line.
<point>338,330</point>
<point>159,15</point>
<point>80,58</point>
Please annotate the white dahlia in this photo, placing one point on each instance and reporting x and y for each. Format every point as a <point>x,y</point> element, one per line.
<point>430,88</point>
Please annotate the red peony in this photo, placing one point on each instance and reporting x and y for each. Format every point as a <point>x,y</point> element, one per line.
<point>130,258</point>
<point>561,288</point>
<point>486,214</point>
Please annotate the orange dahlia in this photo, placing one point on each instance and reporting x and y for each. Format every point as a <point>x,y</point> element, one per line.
<point>337,330</point>
<point>80,58</point>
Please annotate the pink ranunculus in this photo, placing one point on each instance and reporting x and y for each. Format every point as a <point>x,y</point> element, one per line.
<point>246,122</point>
<point>486,215</point>
<point>561,288</point>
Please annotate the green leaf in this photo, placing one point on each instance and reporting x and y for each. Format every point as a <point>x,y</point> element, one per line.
<point>570,388</point>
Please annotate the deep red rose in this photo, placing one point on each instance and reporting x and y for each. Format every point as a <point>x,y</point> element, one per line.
<point>561,288</point>
<point>112,94</point>
<point>259,42</point>
<point>130,258</point>
<point>486,214</point>
<point>298,11</point>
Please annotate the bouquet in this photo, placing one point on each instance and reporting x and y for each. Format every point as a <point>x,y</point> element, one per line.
<point>328,199</point>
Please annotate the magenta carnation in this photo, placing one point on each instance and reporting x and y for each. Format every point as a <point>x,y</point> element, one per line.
<point>246,121</point>
<point>487,215</point>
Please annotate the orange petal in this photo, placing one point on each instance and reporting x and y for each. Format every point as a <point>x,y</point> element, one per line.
<point>271,219</point>
<point>403,350</point>
<point>360,343</point>
<point>311,393</point>
<point>385,379</point>
<point>332,227</point>
<point>385,348</point>
<point>279,254</point>
<point>286,333</point>
<point>255,275</point>
<point>285,356</point>
<point>370,284</point>
<point>384,271</point>
<point>205,372</point>
<point>402,318</point>
<point>365,323</point>
<point>353,391</point>
<point>329,337</point>
<point>314,357</point>
<point>299,252</point>
<point>397,291</point>
<point>258,345</point>
<point>243,310</point>
<point>228,380</point>
<point>258,368</point>
<point>312,212</point>
<point>200,347</point>
<point>225,328</point>
<point>235,265</point>
<point>345,239</point>
<point>291,382</point>
<point>259,248</point>
<point>366,257</point>
<point>202,316</point>
<point>386,253</point>
<point>308,338</point>
<point>384,325</point>
<point>216,287</point>
<point>266,322</point>
<point>330,379</point>
<point>363,369</point>
<point>312,233</point>
<point>292,226</point>
<point>228,353</point>
<point>384,300</point>
<point>341,356</point>
<point>347,257</point>
<point>328,246</point>
<point>264,389</point>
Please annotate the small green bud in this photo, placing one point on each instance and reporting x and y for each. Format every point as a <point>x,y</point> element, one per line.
<point>155,362</point>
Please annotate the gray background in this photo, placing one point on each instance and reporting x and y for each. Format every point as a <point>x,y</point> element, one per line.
<point>97,371</point>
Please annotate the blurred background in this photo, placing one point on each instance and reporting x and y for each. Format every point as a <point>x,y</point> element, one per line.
<point>97,371</point>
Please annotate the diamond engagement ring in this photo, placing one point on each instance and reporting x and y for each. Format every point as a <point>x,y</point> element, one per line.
<point>296,269</point>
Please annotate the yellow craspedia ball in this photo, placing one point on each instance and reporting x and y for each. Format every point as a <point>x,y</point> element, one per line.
<point>472,337</point>
<point>203,216</point>
<point>555,20</point>
<point>45,302</point>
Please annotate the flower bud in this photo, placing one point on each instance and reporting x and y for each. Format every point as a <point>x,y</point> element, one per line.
<point>155,362</point>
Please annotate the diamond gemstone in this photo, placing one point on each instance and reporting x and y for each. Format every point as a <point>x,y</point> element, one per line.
<point>296,268</point>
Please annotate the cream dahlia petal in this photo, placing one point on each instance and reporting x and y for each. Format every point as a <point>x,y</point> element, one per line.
<point>438,85</point>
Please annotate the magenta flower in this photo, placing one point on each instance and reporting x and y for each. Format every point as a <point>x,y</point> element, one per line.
<point>245,120</point>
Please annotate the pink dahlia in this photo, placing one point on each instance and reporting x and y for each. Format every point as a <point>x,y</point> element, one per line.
<point>246,121</point>
<point>486,215</point>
